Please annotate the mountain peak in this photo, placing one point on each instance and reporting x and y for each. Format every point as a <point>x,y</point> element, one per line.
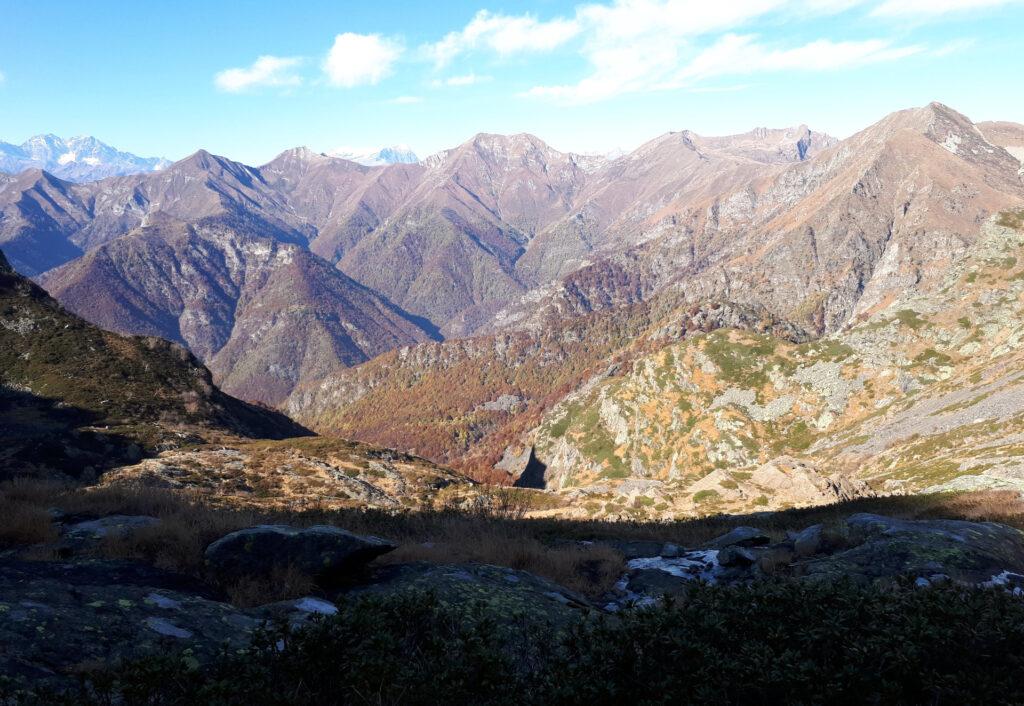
<point>81,158</point>
<point>201,158</point>
<point>302,154</point>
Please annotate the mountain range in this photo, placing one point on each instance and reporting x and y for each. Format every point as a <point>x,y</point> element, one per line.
<point>459,305</point>
<point>77,159</point>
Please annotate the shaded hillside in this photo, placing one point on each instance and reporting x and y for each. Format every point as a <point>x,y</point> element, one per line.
<point>74,396</point>
<point>262,314</point>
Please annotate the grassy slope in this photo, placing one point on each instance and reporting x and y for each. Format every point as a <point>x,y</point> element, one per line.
<point>73,395</point>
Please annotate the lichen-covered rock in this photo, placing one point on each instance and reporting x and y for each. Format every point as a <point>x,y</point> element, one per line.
<point>507,593</point>
<point>886,548</point>
<point>327,554</point>
<point>57,618</point>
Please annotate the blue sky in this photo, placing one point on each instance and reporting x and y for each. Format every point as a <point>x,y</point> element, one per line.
<point>249,79</point>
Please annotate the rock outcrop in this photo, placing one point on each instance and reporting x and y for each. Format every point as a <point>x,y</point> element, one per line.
<point>864,548</point>
<point>327,554</point>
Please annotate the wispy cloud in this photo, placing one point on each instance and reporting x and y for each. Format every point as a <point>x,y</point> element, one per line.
<point>503,34</point>
<point>930,8</point>
<point>265,71</point>
<point>405,100</point>
<point>957,45</point>
<point>462,80</point>
<point>643,45</point>
<point>360,59</point>
<point>2,77</point>
<point>737,54</point>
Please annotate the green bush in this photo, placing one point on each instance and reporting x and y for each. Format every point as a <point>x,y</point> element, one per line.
<point>768,643</point>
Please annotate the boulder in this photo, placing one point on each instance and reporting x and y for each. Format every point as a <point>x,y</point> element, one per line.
<point>110,526</point>
<point>736,556</point>
<point>80,535</point>
<point>506,594</point>
<point>740,537</point>
<point>327,554</point>
<point>656,583</point>
<point>884,548</point>
<point>808,541</point>
<point>819,539</point>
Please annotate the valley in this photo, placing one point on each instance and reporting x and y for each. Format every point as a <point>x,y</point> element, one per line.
<point>320,392</point>
<point>702,325</point>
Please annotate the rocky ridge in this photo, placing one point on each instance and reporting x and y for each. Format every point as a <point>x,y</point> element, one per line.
<point>919,395</point>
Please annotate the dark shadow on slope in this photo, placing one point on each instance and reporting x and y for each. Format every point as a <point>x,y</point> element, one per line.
<point>423,322</point>
<point>41,437</point>
<point>533,474</point>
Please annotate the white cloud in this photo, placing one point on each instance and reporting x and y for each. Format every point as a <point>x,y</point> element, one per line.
<point>469,79</point>
<point>957,45</point>
<point>632,44</point>
<point>643,45</point>
<point>405,100</point>
<point>504,34</point>
<point>2,77</point>
<point>925,8</point>
<point>735,54</point>
<point>265,71</point>
<point>360,59</point>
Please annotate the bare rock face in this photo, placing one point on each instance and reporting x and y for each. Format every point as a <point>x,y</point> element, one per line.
<point>322,552</point>
<point>788,481</point>
<point>1009,136</point>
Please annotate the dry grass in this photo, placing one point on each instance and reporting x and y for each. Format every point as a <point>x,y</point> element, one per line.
<point>1004,506</point>
<point>591,570</point>
<point>23,524</point>
<point>280,585</point>
<point>496,534</point>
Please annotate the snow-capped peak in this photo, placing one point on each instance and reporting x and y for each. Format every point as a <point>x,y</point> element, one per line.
<point>79,158</point>
<point>395,154</point>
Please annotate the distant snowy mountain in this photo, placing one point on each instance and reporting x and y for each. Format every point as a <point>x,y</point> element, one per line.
<point>79,158</point>
<point>396,154</point>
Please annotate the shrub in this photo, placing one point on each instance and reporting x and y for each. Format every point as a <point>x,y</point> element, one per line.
<point>771,642</point>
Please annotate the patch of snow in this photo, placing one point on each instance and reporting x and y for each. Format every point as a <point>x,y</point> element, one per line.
<point>162,601</point>
<point>1009,580</point>
<point>555,595</point>
<point>315,605</point>
<point>166,627</point>
<point>697,565</point>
